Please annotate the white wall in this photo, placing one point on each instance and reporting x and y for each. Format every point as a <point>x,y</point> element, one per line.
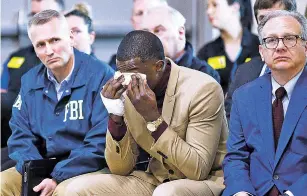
<point>112,21</point>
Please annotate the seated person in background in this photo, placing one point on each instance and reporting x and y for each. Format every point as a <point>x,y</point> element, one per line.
<point>18,63</point>
<point>168,24</point>
<point>81,24</point>
<point>170,116</point>
<point>251,70</point>
<point>58,112</point>
<point>236,43</point>
<point>138,10</point>
<point>267,142</point>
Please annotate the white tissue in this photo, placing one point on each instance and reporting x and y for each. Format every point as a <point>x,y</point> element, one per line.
<point>127,77</point>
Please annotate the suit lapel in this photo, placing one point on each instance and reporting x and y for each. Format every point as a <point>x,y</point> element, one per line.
<point>296,106</point>
<point>169,99</point>
<point>264,116</point>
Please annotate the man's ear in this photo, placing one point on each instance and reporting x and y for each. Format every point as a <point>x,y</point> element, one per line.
<point>261,52</point>
<point>181,32</point>
<point>236,7</point>
<point>305,46</point>
<point>71,37</point>
<point>159,66</point>
<point>92,37</point>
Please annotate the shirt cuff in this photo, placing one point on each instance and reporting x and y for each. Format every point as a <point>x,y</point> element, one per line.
<point>242,192</point>
<point>117,131</point>
<point>160,130</point>
<point>289,193</point>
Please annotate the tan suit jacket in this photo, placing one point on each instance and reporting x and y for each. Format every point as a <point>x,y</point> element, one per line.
<point>194,144</point>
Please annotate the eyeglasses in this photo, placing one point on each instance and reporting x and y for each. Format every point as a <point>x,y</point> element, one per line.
<point>289,41</point>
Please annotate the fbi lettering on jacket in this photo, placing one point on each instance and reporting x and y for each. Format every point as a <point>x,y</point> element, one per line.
<point>73,110</point>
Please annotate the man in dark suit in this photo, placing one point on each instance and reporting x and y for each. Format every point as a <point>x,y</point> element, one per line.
<point>251,70</point>
<point>169,25</point>
<point>267,141</point>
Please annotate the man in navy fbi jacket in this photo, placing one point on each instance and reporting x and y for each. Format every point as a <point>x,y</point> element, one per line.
<point>58,112</point>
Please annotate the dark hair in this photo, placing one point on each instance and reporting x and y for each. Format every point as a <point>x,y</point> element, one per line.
<point>81,10</point>
<point>140,44</point>
<point>290,5</point>
<point>61,4</point>
<point>246,16</point>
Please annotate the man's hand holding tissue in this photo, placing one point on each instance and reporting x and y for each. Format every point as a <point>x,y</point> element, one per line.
<point>111,96</point>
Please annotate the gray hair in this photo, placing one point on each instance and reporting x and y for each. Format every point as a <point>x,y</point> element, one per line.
<point>280,13</point>
<point>158,2</point>
<point>177,18</point>
<point>43,17</point>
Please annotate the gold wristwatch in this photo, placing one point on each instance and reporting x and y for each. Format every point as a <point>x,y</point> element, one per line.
<point>153,126</point>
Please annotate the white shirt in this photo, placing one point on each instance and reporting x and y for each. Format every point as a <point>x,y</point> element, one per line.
<point>289,86</point>
<point>263,69</point>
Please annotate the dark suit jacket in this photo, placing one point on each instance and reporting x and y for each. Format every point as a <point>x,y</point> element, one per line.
<point>191,61</point>
<point>246,72</point>
<point>215,49</point>
<point>251,163</point>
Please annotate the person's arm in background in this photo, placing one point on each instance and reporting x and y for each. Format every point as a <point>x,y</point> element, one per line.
<point>5,77</point>
<point>206,68</point>
<point>232,87</point>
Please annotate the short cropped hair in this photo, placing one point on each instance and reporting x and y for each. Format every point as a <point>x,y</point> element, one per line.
<point>140,44</point>
<point>289,5</point>
<point>176,17</point>
<point>157,2</point>
<point>43,17</point>
<point>280,13</point>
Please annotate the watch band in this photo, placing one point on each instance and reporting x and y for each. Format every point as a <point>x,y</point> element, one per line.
<point>152,126</point>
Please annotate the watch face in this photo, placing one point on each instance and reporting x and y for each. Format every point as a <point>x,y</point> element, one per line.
<point>151,127</point>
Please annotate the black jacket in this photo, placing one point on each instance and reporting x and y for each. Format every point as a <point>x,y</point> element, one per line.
<point>216,48</point>
<point>246,72</point>
<point>187,60</point>
<point>112,62</point>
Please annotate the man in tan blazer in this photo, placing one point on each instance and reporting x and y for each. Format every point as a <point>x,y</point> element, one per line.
<point>176,116</point>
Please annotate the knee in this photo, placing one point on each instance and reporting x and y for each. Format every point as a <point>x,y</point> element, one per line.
<point>10,184</point>
<point>73,190</point>
<point>68,190</point>
<point>165,190</point>
<point>77,187</point>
